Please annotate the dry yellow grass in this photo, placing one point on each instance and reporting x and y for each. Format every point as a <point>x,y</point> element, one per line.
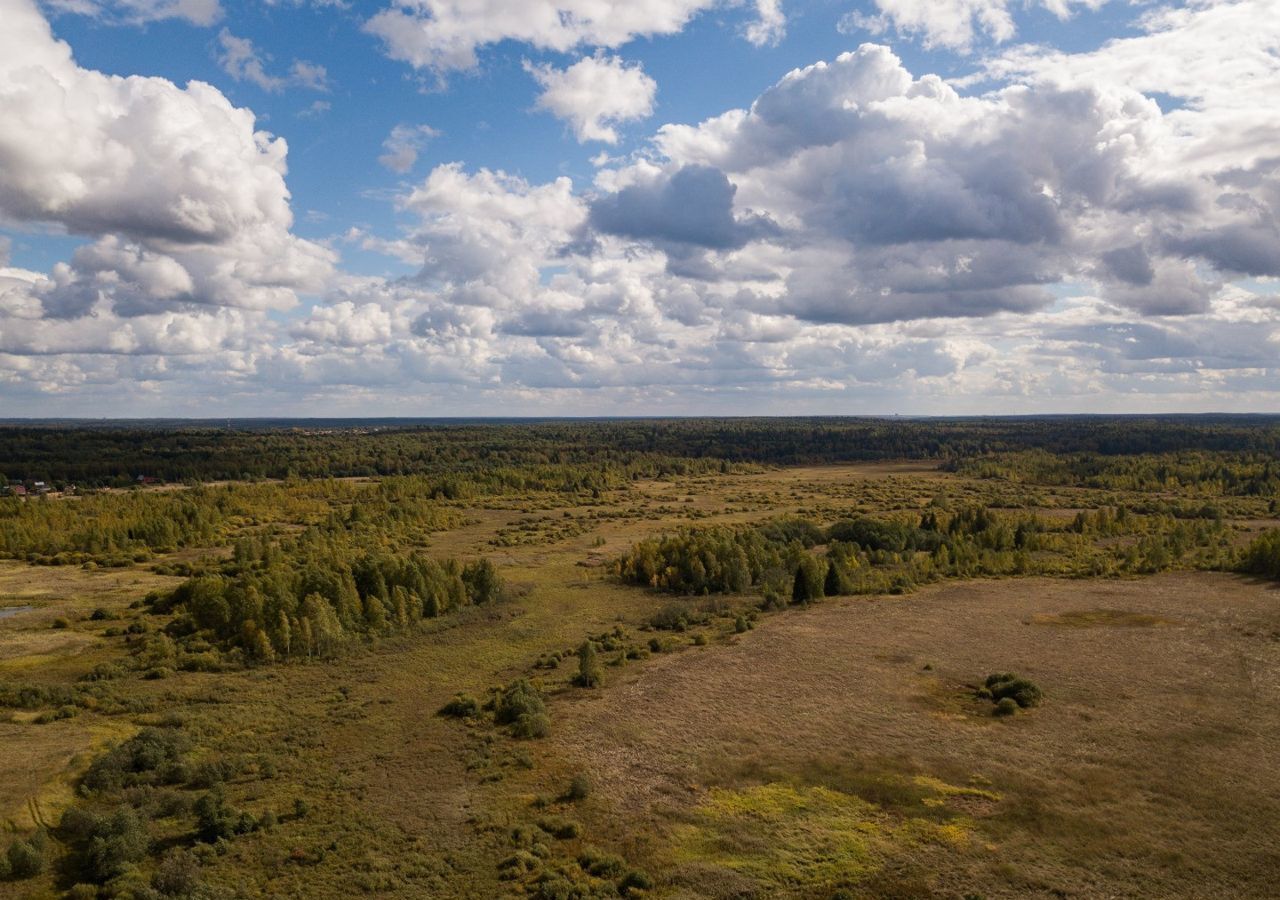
<point>1147,772</point>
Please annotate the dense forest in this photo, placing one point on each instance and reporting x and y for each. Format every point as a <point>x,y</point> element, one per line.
<point>583,453</point>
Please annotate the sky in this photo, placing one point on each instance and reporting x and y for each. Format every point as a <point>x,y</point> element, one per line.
<point>645,207</point>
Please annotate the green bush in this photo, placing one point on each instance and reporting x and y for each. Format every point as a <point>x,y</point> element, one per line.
<point>518,864</point>
<point>136,761</point>
<point>634,880</point>
<point>560,828</point>
<point>579,789</point>
<point>178,875</point>
<point>26,858</point>
<point>462,706</point>
<point>1006,706</point>
<point>216,819</point>
<point>600,864</point>
<point>1006,685</point>
<point>520,705</point>
<point>672,617</point>
<point>119,841</point>
<point>78,824</point>
<point>531,725</point>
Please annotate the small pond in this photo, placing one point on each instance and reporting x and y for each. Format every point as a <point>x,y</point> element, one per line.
<point>9,611</point>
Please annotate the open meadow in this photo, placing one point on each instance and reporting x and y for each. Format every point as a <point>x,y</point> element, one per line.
<point>671,675</point>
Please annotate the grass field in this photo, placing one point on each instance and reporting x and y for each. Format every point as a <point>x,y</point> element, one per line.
<point>835,748</point>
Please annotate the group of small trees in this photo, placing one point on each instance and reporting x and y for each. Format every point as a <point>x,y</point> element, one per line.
<point>306,599</point>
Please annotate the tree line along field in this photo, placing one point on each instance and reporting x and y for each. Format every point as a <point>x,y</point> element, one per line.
<point>809,658</point>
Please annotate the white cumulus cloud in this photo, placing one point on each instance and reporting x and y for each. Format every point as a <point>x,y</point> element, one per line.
<point>595,94</point>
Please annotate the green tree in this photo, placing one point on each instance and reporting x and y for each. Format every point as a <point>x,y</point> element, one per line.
<point>590,672</point>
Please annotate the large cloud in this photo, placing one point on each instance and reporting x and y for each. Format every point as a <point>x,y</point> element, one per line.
<point>186,201</point>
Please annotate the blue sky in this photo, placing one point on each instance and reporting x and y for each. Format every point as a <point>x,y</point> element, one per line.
<point>963,206</point>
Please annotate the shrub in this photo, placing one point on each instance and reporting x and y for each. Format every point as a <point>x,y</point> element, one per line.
<point>520,706</point>
<point>1006,685</point>
<point>215,818</point>
<point>462,706</point>
<point>518,864</point>
<point>119,841</point>
<point>635,880</point>
<point>78,824</point>
<point>600,864</point>
<point>1006,706</point>
<point>136,761</point>
<point>699,640</point>
<point>61,623</point>
<point>740,624</point>
<point>579,789</point>
<point>178,875</point>
<point>672,617</point>
<point>531,725</point>
<point>25,858</point>
<point>560,828</point>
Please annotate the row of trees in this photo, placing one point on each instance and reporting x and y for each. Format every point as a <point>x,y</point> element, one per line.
<point>865,555</point>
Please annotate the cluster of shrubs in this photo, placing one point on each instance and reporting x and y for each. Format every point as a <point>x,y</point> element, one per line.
<point>1010,693</point>
<point>105,833</point>
<point>591,873</point>
<point>519,706</point>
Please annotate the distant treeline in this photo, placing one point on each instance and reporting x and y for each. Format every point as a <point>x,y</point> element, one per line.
<point>1241,472</point>
<point>591,454</point>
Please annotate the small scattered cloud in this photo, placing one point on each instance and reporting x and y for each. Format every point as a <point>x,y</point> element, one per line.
<point>240,59</point>
<point>140,12</point>
<point>403,144</point>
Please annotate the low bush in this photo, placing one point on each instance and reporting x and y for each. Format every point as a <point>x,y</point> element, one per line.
<point>600,864</point>
<point>520,705</point>
<point>672,617</point>
<point>178,875</point>
<point>531,725</point>
<point>26,859</point>
<point>634,880</point>
<point>1007,685</point>
<point>560,828</point>
<point>1005,706</point>
<point>579,789</point>
<point>462,706</point>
